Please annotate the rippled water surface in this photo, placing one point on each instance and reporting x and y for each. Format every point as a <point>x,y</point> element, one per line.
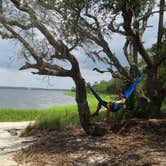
<point>32,98</point>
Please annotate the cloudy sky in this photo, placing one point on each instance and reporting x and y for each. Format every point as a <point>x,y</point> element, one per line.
<point>10,62</point>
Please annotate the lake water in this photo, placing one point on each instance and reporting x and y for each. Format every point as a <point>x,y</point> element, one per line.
<point>32,98</point>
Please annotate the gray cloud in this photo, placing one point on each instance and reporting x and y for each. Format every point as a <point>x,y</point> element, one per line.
<point>9,54</point>
<point>9,63</point>
<point>13,77</point>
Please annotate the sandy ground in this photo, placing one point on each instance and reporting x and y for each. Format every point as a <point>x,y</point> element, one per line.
<point>10,142</point>
<point>139,143</point>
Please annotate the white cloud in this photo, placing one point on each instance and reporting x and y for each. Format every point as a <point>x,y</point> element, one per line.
<point>8,54</point>
<point>150,35</point>
<point>92,76</point>
<point>9,63</point>
<point>13,77</point>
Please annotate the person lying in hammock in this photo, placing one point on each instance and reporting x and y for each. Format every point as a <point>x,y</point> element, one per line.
<point>111,106</point>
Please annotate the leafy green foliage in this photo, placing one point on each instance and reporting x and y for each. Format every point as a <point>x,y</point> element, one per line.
<point>138,7</point>
<point>14,115</point>
<point>153,49</point>
<point>109,87</point>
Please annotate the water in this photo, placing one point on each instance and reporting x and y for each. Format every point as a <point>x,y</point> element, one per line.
<point>32,98</point>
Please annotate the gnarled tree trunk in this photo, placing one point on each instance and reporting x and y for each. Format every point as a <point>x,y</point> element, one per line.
<point>154,89</point>
<point>83,107</point>
<point>151,106</point>
<point>81,99</point>
<point>155,106</point>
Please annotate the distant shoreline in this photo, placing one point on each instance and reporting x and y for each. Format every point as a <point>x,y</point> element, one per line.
<point>34,98</point>
<point>33,88</point>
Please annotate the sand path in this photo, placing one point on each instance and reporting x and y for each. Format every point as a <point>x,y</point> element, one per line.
<point>10,141</point>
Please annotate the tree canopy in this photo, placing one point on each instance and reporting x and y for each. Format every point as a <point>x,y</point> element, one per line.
<point>50,31</point>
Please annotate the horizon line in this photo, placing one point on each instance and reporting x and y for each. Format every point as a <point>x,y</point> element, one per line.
<point>22,87</point>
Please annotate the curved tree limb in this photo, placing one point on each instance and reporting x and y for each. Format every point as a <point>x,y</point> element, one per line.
<point>41,65</point>
<point>60,47</point>
<point>15,23</point>
<point>127,17</point>
<point>99,40</point>
<point>160,29</point>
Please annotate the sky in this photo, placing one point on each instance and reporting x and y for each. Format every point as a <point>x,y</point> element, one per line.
<point>10,63</point>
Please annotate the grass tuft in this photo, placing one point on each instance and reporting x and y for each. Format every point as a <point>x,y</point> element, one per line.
<point>14,115</point>
<point>58,117</point>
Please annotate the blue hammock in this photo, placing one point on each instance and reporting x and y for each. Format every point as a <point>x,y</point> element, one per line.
<point>127,94</point>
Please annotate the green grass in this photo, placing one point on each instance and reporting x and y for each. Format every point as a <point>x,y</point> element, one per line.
<point>56,117</point>
<point>14,115</point>
<point>163,107</point>
<point>50,118</point>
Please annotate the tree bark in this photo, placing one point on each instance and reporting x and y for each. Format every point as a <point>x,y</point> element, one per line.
<point>1,7</point>
<point>155,106</point>
<point>81,99</point>
<point>83,108</point>
<point>160,28</point>
<point>155,94</point>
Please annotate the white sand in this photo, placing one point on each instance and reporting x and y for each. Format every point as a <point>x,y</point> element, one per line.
<point>10,141</point>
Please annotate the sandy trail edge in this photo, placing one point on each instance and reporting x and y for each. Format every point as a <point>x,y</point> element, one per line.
<point>10,141</point>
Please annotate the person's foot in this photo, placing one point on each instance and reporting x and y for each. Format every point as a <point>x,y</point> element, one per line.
<point>106,120</point>
<point>95,114</point>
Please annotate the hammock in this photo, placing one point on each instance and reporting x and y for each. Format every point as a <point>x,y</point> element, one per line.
<point>127,94</point>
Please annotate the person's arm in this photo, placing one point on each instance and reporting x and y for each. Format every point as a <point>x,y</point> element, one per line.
<point>118,102</point>
<point>122,101</point>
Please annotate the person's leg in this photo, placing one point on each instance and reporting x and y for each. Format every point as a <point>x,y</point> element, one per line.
<point>97,110</point>
<point>107,113</point>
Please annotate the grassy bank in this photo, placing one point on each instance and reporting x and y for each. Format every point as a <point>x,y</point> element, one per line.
<point>49,118</point>
<point>14,115</point>
<point>56,117</point>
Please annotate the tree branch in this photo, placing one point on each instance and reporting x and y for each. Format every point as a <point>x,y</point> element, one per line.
<point>1,7</point>
<point>74,45</point>
<point>160,59</point>
<point>41,27</point>
<point>21,6</point>
<point>15,23</point>
<point>117,29</point>
<point>50,6</point>
<point>41,65</point>
<point>100,71</point>
<point>53,70</point>
<point>99,40</point>
<point>160,28</point>
<point>6,35</point>
<point>60,47</point>
<point>52,73</point>
<point>26,44</point>
<point>127,17</point>
<point>37,23</point>
<point>125,49</point>
<point>145,17</point>
<point>115,74</point>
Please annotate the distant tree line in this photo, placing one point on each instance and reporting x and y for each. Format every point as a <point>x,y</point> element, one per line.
<point>106,87</point>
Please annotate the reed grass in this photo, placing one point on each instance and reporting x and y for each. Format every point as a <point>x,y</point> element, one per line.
<point>57,117</point>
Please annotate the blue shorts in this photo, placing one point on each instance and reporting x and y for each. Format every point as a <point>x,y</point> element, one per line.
<point>115,107</point>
